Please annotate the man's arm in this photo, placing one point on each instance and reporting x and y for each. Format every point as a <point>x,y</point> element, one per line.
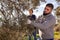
<point>45,24</point>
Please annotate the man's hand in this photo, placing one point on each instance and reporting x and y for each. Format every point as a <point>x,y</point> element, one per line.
<point>28,21</point>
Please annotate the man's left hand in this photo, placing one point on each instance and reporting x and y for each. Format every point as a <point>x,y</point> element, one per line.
<point>29,21</point>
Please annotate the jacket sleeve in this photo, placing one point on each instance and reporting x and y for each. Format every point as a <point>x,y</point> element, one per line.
<point>45,24</point>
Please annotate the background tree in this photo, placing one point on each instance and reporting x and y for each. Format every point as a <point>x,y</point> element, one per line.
<point>13,20</point>
<point>57,27</point>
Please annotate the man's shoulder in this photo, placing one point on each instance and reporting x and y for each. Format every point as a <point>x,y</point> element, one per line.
<point>33,15</point>
<point>52,16</point>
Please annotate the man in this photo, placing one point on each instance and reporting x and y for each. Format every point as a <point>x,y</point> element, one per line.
<point>32,17</point>
<point>46,23</point>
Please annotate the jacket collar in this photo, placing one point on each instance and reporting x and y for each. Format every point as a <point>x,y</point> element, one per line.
<point>47,15</point>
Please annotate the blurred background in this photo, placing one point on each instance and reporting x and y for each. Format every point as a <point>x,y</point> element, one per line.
<point>13,17</point>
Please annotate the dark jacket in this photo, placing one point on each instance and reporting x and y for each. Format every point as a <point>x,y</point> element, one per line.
<point>32,17</point>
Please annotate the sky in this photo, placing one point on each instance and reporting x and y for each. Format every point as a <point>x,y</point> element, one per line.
<point>39,10</point>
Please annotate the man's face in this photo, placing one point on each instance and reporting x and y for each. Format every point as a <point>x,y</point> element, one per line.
<point>47,10</point>
<point>30,12</point>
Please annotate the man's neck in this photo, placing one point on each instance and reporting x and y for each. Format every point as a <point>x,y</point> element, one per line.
<point>31,14</point>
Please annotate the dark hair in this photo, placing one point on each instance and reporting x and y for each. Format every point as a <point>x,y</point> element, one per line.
<point>50,5</point>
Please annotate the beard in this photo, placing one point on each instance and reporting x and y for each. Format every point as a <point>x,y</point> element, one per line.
<point>45,13</point>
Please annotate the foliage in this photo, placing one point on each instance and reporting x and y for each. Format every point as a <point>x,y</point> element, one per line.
<point>13,20</point>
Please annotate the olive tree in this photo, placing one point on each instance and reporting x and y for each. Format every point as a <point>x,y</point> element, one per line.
<point>12,19</point>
